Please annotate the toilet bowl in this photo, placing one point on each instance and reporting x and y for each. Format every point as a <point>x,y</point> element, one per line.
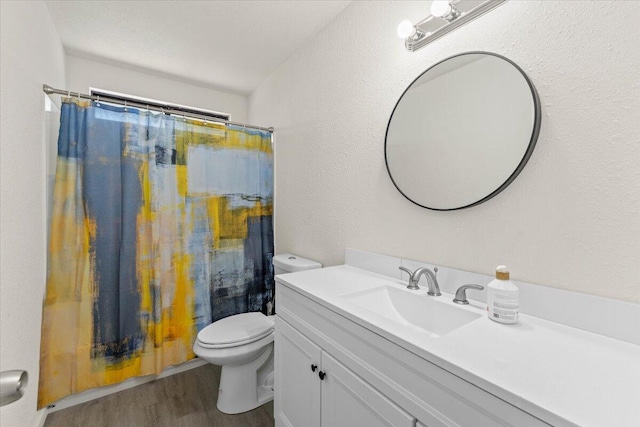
<point>243,345</point>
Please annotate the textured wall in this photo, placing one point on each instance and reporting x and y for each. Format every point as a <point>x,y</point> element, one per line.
<point>31,55</point>
<point>570,220</point>
<point>83,74</point>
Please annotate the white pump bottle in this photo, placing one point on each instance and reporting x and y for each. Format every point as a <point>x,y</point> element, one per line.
<point>503,300</point>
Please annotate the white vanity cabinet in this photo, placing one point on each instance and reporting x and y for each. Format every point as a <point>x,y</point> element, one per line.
<point>370,380</point>
<point>296,383</point>
<point>313,389</point>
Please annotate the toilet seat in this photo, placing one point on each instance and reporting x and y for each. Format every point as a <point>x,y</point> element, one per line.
<point>236,330</point>
<point>234,344</point>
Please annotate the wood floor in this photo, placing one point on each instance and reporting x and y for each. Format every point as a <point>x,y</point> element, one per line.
<point>185,399</point>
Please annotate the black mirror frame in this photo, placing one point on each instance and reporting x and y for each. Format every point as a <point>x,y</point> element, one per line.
<point>532,142</point>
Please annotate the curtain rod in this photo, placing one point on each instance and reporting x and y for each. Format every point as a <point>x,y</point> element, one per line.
<point>49,91</point>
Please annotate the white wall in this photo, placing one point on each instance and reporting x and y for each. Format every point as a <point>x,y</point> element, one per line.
<point>570,220</point>
<point>31,54</point>
<point>83,74</point>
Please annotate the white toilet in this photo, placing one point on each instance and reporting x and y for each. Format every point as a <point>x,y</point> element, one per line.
<point>243,345</point>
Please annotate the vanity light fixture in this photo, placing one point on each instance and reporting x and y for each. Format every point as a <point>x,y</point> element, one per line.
<point>446,16</point>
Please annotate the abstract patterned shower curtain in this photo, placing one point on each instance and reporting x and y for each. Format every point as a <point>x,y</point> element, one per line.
<point>160,226</point>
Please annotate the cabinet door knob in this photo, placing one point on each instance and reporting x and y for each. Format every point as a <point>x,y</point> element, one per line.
<point>321,375</point>
<point>313,368</point>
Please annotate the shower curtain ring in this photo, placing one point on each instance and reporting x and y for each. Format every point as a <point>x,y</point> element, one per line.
<point>125,105</point>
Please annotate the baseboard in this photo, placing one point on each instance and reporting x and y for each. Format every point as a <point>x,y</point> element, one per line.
<point>95,393</point>
<point>41,417</point>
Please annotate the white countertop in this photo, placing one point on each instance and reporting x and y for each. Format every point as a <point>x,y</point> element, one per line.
<point>552,371</point>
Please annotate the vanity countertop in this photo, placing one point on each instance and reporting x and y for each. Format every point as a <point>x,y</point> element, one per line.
<point>557,373</point>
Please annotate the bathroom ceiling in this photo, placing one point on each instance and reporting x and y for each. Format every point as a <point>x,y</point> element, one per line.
<point>227,45</point>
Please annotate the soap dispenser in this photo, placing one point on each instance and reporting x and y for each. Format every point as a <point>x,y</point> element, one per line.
<point>502,298</point>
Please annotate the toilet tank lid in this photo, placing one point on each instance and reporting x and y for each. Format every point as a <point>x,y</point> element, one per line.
<point>291,263</point>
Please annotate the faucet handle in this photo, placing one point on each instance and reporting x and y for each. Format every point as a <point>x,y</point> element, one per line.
<point>413,282</point>
<point>406,270</point>
<point>461,295</point>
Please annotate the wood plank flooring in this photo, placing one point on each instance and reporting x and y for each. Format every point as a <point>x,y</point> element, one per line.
<point>185,399</point>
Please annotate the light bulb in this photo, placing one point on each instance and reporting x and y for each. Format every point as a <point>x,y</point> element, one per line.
<point>440,8</point>
<point>406,29</point>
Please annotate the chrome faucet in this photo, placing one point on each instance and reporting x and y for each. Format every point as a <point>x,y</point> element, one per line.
<point>432,279</point>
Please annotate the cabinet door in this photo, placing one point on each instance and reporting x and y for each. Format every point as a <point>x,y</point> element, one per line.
<point>347,400</point>
<point>296,385</point>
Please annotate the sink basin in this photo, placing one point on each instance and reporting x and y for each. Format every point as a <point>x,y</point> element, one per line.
<point>416,311</point>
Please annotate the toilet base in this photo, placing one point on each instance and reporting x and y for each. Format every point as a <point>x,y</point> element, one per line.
<point>245,387</point>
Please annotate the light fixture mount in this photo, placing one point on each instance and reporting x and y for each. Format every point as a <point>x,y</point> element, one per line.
<point>446,16</point>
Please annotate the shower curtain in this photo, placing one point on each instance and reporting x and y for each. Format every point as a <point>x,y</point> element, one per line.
<point>160,225</point>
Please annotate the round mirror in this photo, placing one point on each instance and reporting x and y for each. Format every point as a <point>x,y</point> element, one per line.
<point>462,131</point>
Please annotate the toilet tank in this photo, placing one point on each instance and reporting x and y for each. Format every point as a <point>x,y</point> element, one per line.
<point>288,263</point>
